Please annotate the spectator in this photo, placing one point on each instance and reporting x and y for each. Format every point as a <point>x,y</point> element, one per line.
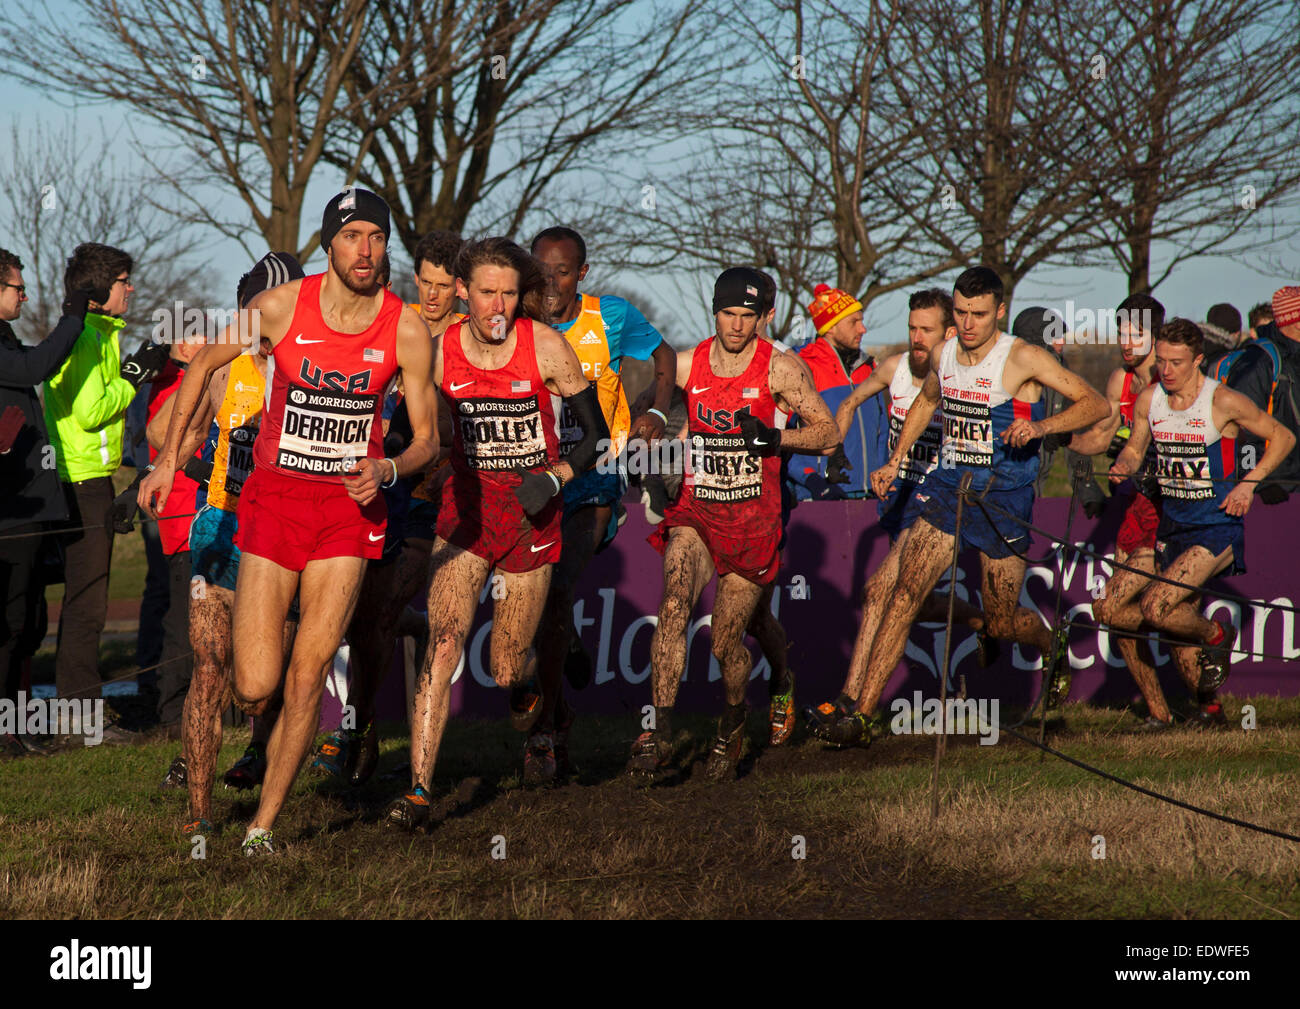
<point>1260,315</point>
<point>1227,320</point>
<point>837,364</point>
<point>1253,376</point>
<point>30,496</point>
<point>1045,328</point>
<point>84,405</point>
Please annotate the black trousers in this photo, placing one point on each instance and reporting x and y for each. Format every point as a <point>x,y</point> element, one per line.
<point>177,657</point>
<point>20,598</point>
<point>87,555</point>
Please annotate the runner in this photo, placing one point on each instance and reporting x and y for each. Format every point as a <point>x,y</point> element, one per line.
<point>1139,318</point>
<point>1194,421</point>
<point>234,407</point>
<point>728,515</point>
<point>988,384</point>
<point>602,330</point>
<point>310,514</point>
<point>402,571</point>
<point>501,505</point>
<point>930,322</point>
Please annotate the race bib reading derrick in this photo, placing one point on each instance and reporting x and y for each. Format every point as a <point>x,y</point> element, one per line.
<point>1183,467</point>
<point>324,429</point>
<point>923,456</point>
<point>967,427</point>
<point>721,469</point>
<point>502,434</point>
<point>239,456</point>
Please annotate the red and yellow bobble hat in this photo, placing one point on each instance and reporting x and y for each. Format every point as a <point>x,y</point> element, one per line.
<point>830,305</point>
<point>1286,306</point>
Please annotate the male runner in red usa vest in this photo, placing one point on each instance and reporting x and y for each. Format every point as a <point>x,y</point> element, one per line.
<point>310,513</point>
<point>1194,422</point>
<point>501,506</point>
<point>728,515</point>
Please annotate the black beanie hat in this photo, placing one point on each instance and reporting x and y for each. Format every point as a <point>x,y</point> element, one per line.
<point>738,287</point>
<point>349,205</point>
<point>1035,325</point>
<point>272,270</point>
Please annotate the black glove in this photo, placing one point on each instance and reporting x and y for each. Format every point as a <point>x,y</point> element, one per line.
<point>837,466</point>
<point>121,514</point>
<point>760,440</point>
<point>1055,441</point>
<point>654,495</point>
<point>145,364</point>
<point>1094,505</point>
<point>1118,442</point>
<point>1272,493</point>
<point>198,470</point>
<point>536,488</point>
<point>77,304</point>
<point>399,432</point>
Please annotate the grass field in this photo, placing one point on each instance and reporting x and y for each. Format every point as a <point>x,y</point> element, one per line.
<point>85,833</point>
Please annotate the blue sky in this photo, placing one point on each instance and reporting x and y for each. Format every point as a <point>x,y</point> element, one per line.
<point>680,304</point>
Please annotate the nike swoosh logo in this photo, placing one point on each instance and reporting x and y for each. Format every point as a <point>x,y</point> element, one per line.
<point>373,538</point>
<point>457,388</point>
<point>696,392</point>
<point>538,550</point>
<point>345,219</point>
<point>299,339</point>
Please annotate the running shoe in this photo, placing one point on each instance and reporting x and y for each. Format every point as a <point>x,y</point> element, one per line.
<point>1060,676</point>
<point>854,729</point>
<point>525,705</point>
<point>539,759</point>
<point>987,649</point>
<point>366,748</point>
<point>249,770</point>
<point>650,754</point>
<point>199,826</point>
<point>780,716</point>
<point>577,664</point>
<point>333,756</point>
<point>821,718</point>
<point>724,757</point>
<point>1152,725</point>
<point>1215,662</point>
<point>1209,716</point>
<point>257,842</point>
<point>176,776</point>
<point>410,811</point>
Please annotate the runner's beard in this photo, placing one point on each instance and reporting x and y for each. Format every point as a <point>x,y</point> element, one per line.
<point>355,284</point>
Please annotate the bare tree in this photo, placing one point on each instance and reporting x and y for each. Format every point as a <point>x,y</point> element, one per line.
<point>1192,107</point>
<point>55,198</point>
<point>799,135</point>
<point>248,89</point>
<point>525,94</point>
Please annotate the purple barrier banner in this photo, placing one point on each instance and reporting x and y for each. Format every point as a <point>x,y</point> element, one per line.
<point>831,548</point>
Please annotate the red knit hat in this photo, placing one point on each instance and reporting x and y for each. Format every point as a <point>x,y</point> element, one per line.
<point>830,305</point>
<point>1286,306</point>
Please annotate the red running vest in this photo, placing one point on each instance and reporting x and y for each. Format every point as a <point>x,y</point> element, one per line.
<point>728,486</point>
<point>325,391</point>
<point>503,419</point>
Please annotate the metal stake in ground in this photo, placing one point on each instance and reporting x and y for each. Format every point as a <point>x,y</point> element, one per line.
<point>941,743</point>
<point>1082,471</point>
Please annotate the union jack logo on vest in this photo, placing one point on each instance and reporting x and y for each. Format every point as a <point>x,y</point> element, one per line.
<point>983,383</point>
<point>373,354</point>
<point>524,385</point>
<point>1196,422</point>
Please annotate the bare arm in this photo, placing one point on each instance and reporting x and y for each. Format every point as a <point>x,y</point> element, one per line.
<point>817,430</point>
<point>659,396</point>
<point>876,382</point>
<point>1036,364</point>
<point>1130,458</point>
<point>561,371</point>
<point>1098,437</point>
<point>918,419</point>
<point>1231,406</point>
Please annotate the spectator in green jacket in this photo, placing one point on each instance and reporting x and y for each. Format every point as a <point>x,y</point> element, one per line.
<point>85,404</point>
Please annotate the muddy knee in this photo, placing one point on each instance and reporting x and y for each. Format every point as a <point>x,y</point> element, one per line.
<point>1155,608</point>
